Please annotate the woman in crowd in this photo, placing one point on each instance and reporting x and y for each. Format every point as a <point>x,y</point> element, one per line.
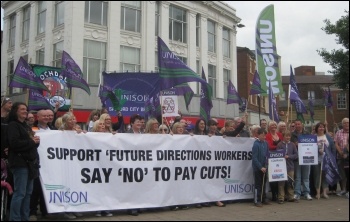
<point>324,141</point>
<point>23,160</point>
<point>152,126</point>
<point>94,115</point>
<point>107,120</point>
<point>281,127</point>
<point>273,138</point>
<point>163,129</point>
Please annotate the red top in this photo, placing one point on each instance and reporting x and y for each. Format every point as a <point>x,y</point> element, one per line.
<point>273,144</point>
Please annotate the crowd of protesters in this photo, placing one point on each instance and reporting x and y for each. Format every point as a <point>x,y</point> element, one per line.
<point>19,147</point>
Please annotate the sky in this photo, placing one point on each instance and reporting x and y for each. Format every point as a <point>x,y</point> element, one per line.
<point>298,29</point>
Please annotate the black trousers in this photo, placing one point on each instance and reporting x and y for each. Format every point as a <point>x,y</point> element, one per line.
<point>37,198</point>
<point>259,183</point>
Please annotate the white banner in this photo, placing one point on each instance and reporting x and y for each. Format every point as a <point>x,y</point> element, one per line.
<point>307,150</point>
<point>170,103</point>
<point>101,171</point>
<point>277,169</point>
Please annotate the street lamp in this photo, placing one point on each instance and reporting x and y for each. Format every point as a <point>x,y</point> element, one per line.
<point>240,25</point>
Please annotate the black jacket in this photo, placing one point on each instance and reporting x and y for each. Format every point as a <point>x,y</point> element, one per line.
<point>22,148</point>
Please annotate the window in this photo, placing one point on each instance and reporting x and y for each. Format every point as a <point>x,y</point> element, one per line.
<point>310,95</point>
<point>226,42</point>
<point>198,29</point>
<point>129,59</point>
<point>341,100</point>
<point>156,68</point>
<point>57,54</point>
<point>177,24</point>
<point>40,56</point>
<point>11,69</point>
<point>59,13</point>
<point>94,61</point>
<point>41,16</point>
<point>131,16</point>
<point>26,23</point>
<point>227,78</point>
<point>183,59</point>
<point>12,31</point>
<point>211,36</point>
<point>157,18</point>
<point>212,78</point>
<point>96,12</point>
<point>199,72</point>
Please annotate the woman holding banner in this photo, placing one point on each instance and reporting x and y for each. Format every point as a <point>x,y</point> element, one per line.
<point>324,141</point>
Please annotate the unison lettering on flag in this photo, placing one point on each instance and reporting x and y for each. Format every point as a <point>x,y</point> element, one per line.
<point>232,94</point>
<point>266,51</point>
<point>24,77</point>
<point>36,101</point>
<point>172,70</point>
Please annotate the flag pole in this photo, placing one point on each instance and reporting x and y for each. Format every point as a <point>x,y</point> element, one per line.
<point>288,104</point>
<point>27,96</point>
<point>71,100</point>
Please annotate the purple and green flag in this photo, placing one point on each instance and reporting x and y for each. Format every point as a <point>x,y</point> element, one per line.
<point>106,93</point>
<point>272,105</point>
<point>243,104</point>
<point>256,85</point>
<point>73,73</point>
<point>153,108</point>
<point>232,94</point>
<point>24,77</point>
<point>185,90</point>
<point>36,101</point>
<point>172,71</point>
<point>206,103</point>
<point>295,99</point>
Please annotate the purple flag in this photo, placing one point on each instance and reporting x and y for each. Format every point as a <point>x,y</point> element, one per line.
<point>206,99</point>
<point>185,90</point>
<point>37,101</point>
<point>330,167</point>
<point>311,109</point>
<point>153,107</point>
<point>243,105</point>
<point>73,73</point>
<point>24,77</point>
<point>272,105</point>
<point>328,100</point>
<point>294,95</point>
<point>172,71</point>
<point>232,94</point>
<point>256,85</point>
<point>105,93</point>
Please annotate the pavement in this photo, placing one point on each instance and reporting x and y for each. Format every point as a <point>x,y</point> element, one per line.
<point>333,209</point>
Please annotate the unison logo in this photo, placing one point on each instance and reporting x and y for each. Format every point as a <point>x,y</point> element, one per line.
<point>63,195</point>
<point>234,186</point>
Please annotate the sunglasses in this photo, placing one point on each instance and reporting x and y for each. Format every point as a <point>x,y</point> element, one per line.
<point>292,126</point>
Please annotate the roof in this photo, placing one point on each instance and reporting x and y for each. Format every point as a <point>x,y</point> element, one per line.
<point>324,79</point>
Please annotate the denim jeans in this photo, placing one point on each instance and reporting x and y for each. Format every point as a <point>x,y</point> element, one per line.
<point>301,174</point>
<point>20,202</point>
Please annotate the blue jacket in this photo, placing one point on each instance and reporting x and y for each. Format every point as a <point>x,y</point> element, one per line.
<point>260,153</point>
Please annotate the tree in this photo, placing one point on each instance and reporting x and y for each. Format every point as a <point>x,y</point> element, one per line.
<point>338,59</point>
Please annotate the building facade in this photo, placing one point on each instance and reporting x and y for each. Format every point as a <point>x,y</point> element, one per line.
<point>311,85</point>
<point>122,36</point>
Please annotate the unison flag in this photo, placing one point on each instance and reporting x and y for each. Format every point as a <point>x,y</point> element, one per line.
<point>73,73</point>
<point>294,96</point>
<point>243,104</point>
<point>330,167</point>
<point>272,105</point>
<point>36,101</point>
<point>266,51</point>
<point>328,100</point>
<point>206,99</point>
<point>24,77</point>
<point>256,85</point>
<point>232,94</point>
<point>172,71</point>
<point>106,93</point>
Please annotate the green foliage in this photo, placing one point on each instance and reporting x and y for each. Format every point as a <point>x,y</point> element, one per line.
<point>338,59</point>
